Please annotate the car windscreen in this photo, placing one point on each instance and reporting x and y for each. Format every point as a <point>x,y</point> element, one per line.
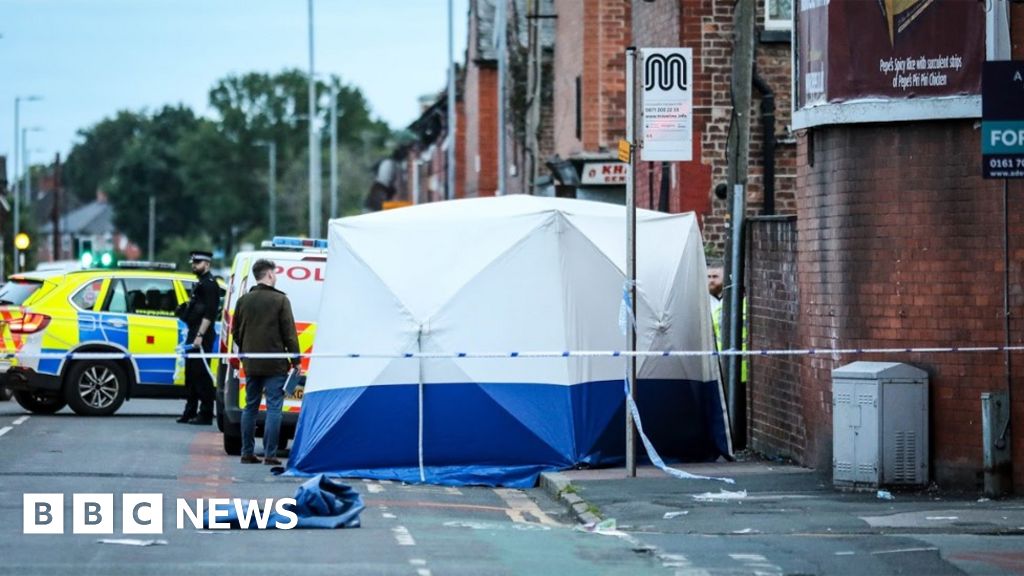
<point>15,292</point>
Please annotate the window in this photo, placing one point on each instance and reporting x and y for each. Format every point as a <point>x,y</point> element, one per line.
<point>778,14</point>
<point>86,296</point>
<point>150,296</point>
<point>117,298</point>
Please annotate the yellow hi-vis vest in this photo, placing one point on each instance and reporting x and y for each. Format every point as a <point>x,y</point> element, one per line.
<point>716,321</point>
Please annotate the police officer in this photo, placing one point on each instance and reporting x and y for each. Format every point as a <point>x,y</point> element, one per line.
<point>199,316</point>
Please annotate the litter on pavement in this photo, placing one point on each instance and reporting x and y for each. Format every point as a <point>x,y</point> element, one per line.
<point>720,496</point>
<point>671,515</point>
<point>131,542</point>
<point>885,495</point>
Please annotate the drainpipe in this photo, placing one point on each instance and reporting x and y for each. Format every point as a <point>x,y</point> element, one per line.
<point>768,149</point>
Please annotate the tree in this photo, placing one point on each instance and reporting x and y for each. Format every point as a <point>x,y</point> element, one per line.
<point>151,166</point>
<point>91,162</point>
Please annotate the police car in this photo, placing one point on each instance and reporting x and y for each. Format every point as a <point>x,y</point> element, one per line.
<point>301,263</point>
<point>17,289</point>
<point>128,311</point>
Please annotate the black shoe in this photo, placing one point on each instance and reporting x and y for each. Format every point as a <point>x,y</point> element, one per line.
<point>201,420</point>
<point>184,419</point>
<point>250,459</point>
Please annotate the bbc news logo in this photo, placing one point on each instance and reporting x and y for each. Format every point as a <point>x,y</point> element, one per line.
<point>144,513</point>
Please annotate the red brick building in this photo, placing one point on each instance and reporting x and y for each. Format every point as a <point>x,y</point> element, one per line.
<point>481,99</point>
<point>898,241</point>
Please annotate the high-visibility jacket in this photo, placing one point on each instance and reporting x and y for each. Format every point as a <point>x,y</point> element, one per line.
<point>716,321</point>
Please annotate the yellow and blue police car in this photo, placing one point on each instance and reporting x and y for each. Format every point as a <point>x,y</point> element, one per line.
<point>85,336</point>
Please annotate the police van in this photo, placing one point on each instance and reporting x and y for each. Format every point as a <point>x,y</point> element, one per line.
<point>301,263</point>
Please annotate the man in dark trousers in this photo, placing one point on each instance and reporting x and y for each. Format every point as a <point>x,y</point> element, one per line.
<point>263,322</point>
<point>199,316</point>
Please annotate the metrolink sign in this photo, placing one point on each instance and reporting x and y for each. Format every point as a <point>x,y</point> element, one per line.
<point>1002,119</point>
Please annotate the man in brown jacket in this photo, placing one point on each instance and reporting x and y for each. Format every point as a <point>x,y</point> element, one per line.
<point>263,323</point>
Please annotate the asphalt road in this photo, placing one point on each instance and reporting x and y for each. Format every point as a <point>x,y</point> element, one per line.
<point>406,529</point>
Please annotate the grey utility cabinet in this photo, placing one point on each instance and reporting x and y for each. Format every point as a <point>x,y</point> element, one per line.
<point>879,424</point>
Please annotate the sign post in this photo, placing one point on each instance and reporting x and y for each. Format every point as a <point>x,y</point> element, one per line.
<point>1002,153</point>
<point>667,104</point>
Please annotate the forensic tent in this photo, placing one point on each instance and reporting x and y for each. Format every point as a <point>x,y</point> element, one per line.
<point>505,275</point>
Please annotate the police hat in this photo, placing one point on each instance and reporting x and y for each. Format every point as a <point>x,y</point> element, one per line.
<point>201,256</point>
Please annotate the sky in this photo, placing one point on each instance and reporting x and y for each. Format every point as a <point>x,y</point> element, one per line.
<point>90,58</point>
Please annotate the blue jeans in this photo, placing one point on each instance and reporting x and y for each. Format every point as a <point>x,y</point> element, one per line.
<point>255,386</point>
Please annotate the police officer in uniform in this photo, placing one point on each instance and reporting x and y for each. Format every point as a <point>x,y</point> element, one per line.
<point>199,316</point>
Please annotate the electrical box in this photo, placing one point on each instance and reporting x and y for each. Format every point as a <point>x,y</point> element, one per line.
<point>879,425</point>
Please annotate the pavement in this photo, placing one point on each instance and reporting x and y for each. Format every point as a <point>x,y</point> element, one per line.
<point>761,489</point>
<point>777,506</point>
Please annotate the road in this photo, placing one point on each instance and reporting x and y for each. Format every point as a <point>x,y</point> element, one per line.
<point>406,529</point>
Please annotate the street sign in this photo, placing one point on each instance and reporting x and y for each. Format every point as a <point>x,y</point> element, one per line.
<point>624,150</point>
<point>604,173</point>
<point>667,105</point>
<point>1002,119</point>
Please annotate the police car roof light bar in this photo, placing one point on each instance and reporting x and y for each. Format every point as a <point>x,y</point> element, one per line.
<point>147,265</point>
<point>296,242</point>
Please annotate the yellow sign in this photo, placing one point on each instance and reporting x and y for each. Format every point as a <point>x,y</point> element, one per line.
<point>624,150</point>
<point>392,204</point>
<point>21,241</point>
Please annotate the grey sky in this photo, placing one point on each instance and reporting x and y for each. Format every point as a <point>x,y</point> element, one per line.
<point>90,58</point>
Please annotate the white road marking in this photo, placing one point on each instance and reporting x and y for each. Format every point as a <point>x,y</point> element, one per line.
<point>453,490</point>
<point>417,562</point>
<point>748,557</point>
<point>389,515</point>
<point>374,488</point>
<point>423,572</point>
<point>520,505</point>
<point>901,550</point>
<point>20,420</point>
<point>385,481</point>
<point>403,537</point>
<point>758,563</point>
<point>5,430</point>
<point>846,553</point>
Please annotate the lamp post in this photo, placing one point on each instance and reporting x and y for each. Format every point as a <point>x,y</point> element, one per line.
<point>14,167</point>
<point>271,147</point>
<point>315,192</point>
<point>452,120</point>
<point>17,196</point>
<point>334,152</point>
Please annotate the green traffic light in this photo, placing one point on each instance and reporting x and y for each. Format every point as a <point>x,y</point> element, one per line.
<point>106,259</point>
<point>87,260</point>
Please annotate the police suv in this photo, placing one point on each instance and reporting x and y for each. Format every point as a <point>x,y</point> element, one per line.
<point>301,263</point>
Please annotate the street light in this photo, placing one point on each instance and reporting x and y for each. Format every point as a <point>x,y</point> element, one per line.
<point>314,144</point>
<point>271,147</point>
<point>14,167</point>
<point>17,196</point>
<point>334,151</point>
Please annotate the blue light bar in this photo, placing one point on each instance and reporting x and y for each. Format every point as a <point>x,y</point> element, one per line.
<point>146,265</point>
<point>296,242</point>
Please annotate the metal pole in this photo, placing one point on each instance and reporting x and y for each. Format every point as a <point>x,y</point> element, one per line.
<point>630,262</point>
<point>17,202</point>
<point>15,186</point>
<point>502,70</point>
<point>1007,360</point>
<point>334,152</point>
<point>314,144</point>
<point>452,120</point>
<point>152,228</point>
<point>272,185</point>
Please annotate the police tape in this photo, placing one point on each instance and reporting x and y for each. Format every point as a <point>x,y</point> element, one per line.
<point>500,355</point>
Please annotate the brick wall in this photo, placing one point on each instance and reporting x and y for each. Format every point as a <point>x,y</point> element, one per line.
<point>481,119</point>
<point>706,27</point>
<point>568,64</point>
<point>776,424</point>
<point>592,36</point>
<point>901,246</point>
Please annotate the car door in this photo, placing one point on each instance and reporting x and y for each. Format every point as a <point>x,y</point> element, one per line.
<point>152,327</point>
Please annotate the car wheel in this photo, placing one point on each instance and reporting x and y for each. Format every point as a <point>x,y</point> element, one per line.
<point>5,394</point>
<point>95,388</point>
<point>39,403</point>
<point>220,415</point>
<point>232,442</point>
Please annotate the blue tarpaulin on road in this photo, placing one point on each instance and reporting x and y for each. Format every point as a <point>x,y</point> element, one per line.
<point>319,503</point>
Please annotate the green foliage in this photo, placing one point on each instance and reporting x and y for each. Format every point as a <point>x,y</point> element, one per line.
<point>210,175</point>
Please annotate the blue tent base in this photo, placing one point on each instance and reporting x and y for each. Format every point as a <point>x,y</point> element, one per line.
<point>499,434</point>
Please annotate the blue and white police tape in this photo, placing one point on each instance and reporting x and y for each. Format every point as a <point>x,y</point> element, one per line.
<point>520,355</point>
